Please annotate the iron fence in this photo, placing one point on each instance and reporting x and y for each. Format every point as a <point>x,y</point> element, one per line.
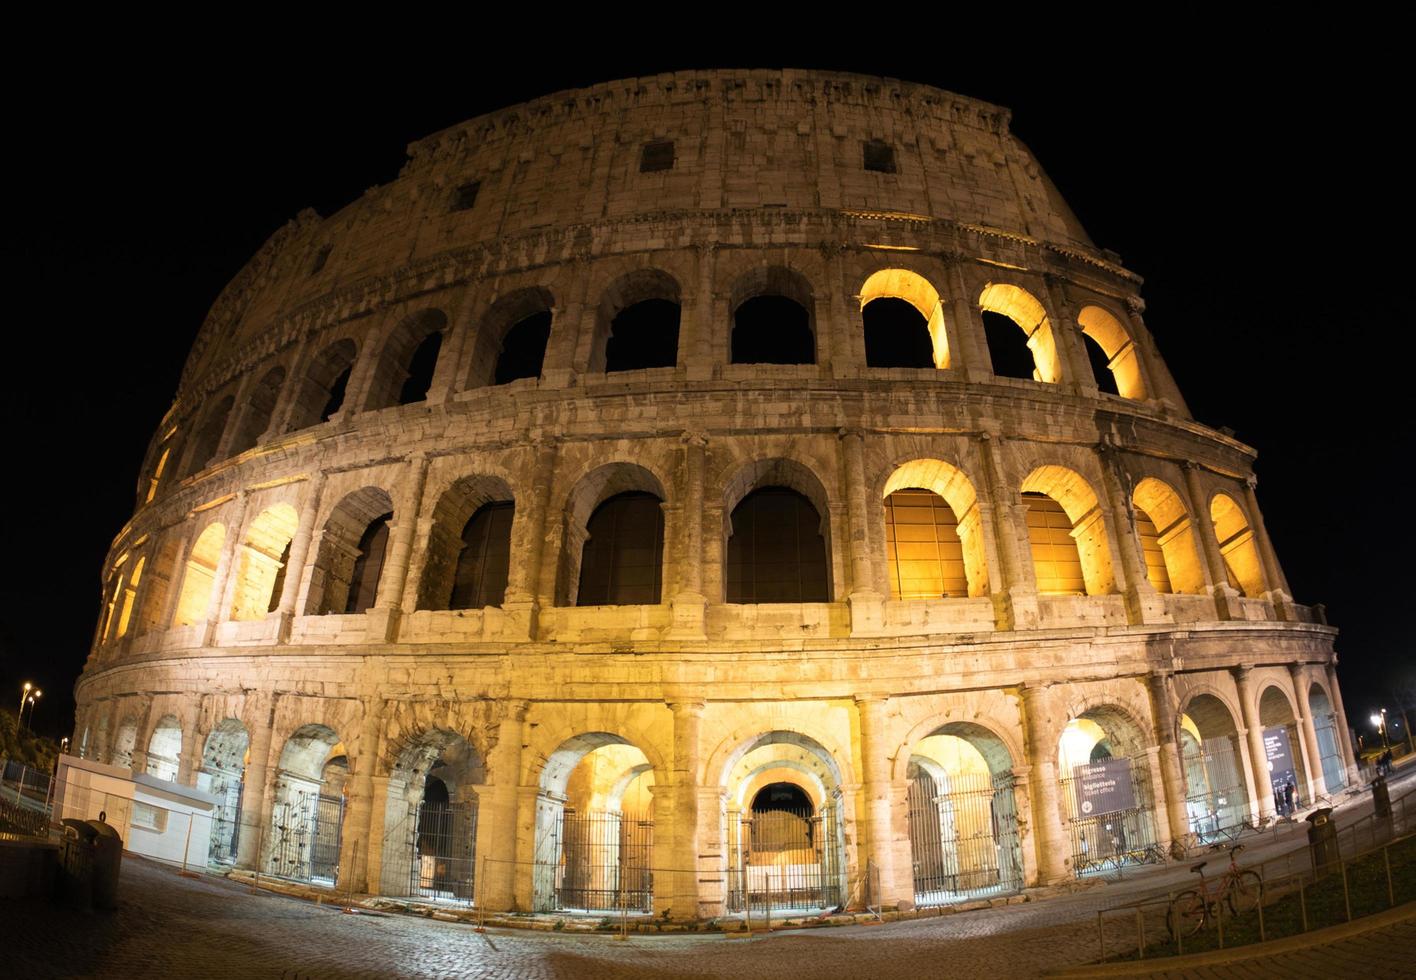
<point>964,841</point>
<point>785,860</point>
<point>1111,840</point>
<point>443,863</point>
<point>308,831</point>
<point>601,861</point>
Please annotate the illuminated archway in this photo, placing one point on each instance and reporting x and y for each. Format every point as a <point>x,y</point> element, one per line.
<point>1024,309</point>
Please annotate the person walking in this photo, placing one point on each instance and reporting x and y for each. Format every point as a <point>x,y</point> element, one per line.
<point>1288,797</point>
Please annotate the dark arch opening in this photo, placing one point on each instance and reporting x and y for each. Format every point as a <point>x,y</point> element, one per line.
<point>623,558</point>
<point>1008,347</point>
<point>208,438</point>
<point>1101,366</point>
<point>435,790</point>
<point>896,335</point>
<point>368,566</point>
<point>321,393</point>
<point>337,387</point>
<point>420,370</point>
<point>772,330</point>
<point>643,335</point>
<point>483,562</point>
<point>523,349</point>
<point>776,552</point>
<point>259,407</point>
<point>782,796</point>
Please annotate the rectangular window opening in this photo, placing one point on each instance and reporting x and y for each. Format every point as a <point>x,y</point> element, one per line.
<point>656,156</point>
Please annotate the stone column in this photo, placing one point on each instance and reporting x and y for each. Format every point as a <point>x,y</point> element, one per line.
<point>373,852</point>
<point>1279,593</point>
<point>255,799</point>
<point>688,603</point>
<point>866,603</point>
<point>1143,605</point>
<point>299,553</point>
<point>1317,782</point>
<point>497,812</point>
<point>1258,758</point>
<point>875,789</point>
<point>681,883</point>
<point>1226,597</point>
<point>223,582</point>
<point>359,802</point>
<point>445,381</point>
<point>968,328</point>
<point>1050,844</point>
<point>383,618</point>
<point>1015,590</point>
<point>1160,791</point>
<point>523,587</point>
<point>1344,734</point>
<point>1071,345</point>
<point>1162,698</point>
<point>289,393</point>
<point>696,343</point>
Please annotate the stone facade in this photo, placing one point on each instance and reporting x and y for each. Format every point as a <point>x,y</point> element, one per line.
<point>228,594</point>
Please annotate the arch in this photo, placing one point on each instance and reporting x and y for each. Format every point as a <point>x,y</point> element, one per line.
<point>778,472</point>
<point>164,751</point>
<point>892,337</point>
<point>224,759</point>
<point>1167,538</point>
<point>345,578</point>
<point>261,567</point>
<point>469,545</point>
<point>125,740</point>
<point>589,493</point>
<point>404,371</point>
<point>259,407</point>
<point>322,390</point>
<point>1238,546</point>
<point>637,323</point>
<point>948,484</point>
<point>1325,728</point>
<point>1122,361</point>
<point>206,439</point>
<point>130,594</point>
<point>307,813</point>
<point>1052,542</point>
<point>199,577</point>
<point>1105,745</point>
<point>1283,740</point>
<point>774,319</point>
<point>622,557</point>
<point>512,338</point>
<point>155,481</point>
<point>1216,799</point>
<point>776,549</point>
<point>160,580</point>
<point>1030,316</point>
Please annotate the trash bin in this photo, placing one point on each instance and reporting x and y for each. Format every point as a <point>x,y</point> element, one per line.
<point>1381,799</point>
<point>76,863</point>
<point>1322,839</point>
<point>107,862</point>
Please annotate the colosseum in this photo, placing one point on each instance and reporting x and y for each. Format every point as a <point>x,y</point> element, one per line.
<point>697,493</point>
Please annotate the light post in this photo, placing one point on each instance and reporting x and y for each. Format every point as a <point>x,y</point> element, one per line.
<point>24,693</point>
<point>31,702</point>
<point>1378,721</point>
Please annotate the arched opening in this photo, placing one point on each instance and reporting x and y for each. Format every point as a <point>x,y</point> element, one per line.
<point>468,554</point>
<point>410,356</point>
<point>321,393</point>
<point>255,416</point>
<point>511,341</point>
<point>903,320</point>
<point>1113,355</point>
<point>154,596</point>
<point>1216,800</point>
<point>307,817</point>
<point>111,600</point>
<point>639,323</point>
<point>124,741</point>
<point>1237,545</point>
<point>1066,534</point>
<point>783,823</point>
<point>594,827</point>
<point>199,578</point>
<point>777,549</point>
<point>430,824</point>
<point>224,759</point>
<point>963,816</point>
<point>98,748</point>
<point>349,566</point>
<point>260,570</point>
<point>772,318</point>
<point>1106,796</point>
<point>933,532</point>
<point>623,557</point>
<point>1167,539</point>
<point>1283,751</point>
<point>1017,305</point>
<point>155,480</point>
<point>130,595</point>
<point>164,752</point>
<point>1330,755</point>
<point>206,440</point>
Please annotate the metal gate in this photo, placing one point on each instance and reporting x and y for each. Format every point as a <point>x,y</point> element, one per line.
<point>226,825</point>
<point>1108,841</point>
<point>444,859</point>
<point>785,860</point>
<point>1215,799</point>
<point>1330,753</point>
<point>604,861</point>
<point>965,840</point>
<point>308,832</point>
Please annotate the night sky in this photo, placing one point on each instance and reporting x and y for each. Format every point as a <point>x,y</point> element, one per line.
<point>1257,189</point>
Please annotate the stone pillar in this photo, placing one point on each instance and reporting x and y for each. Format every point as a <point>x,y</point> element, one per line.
<point>497,813</point>
<point>1162,698</point>
<point>289,394</point>
<point>1143,605</point>
<point>1160,791</point>
<point>1258,758</point>
<point>1015,590</point>
<point>373,852</point>
<point>680,893</point>
<point>1344,734</point>
<point>299,553</point>
<point>383,621</point>
<point>445,381</point>
<point>1317,782</point>
<point>875,789</point>
<point>1071,345</point>
<point>866,603</point>
<point>1226,597</point>
<point>359,802</point>
<point>689,603</point>
<point>968,328</point>
<point>1050,844</point>
<point>1278,592</point>
<point>696,343</point>
<point>255,798</point>
<point>523,586</point>
<point>223,582</point>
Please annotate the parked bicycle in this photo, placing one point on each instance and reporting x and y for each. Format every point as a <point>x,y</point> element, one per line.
<point>1191,910</point>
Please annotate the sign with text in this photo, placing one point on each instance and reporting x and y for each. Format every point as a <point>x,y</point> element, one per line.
<point>1104,787</point>
<point>1279,752</point>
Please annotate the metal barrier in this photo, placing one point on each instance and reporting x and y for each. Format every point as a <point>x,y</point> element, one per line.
<point>785,860</point>
<point>964,841</point>
<point>1110,841</point>
<point>308,831</point>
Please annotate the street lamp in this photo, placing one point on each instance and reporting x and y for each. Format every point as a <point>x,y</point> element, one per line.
<point>24,693</point>
<point>1379,723</point>
<point>30,701</point>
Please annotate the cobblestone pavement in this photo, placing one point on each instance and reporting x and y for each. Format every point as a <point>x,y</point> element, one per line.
<point>172,926</point>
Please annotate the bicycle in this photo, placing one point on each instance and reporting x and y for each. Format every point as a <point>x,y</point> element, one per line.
<point>1191,909</point>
